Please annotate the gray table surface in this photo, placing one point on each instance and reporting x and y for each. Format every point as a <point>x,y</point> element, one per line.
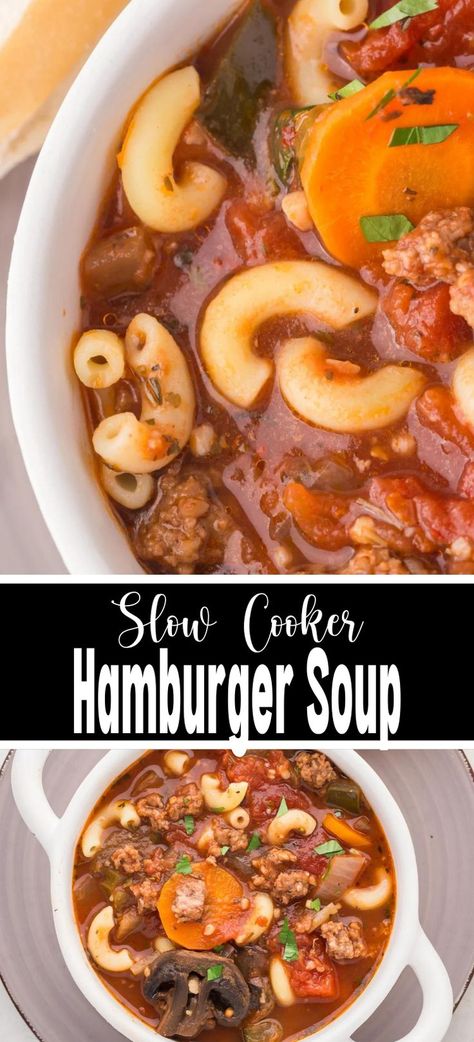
<point>26,548</point>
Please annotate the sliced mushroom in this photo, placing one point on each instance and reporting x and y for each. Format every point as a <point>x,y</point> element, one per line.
<point>188,1002</point>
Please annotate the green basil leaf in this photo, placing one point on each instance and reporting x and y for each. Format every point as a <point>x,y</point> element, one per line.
<point>330,848</point>
<point>385,227</point>
<point>215,972</point>
<point>345,92</point>
<point>422,135</point>
<point>189,824</point>
<point>254,842</point>
<point>288,939</point>
<point>283,808</point>
<point>183,865</point>
<point>404,9</point>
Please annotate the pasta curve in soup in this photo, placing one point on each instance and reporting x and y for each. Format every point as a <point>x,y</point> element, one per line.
<point>265,916</point>
<point>276,353</point>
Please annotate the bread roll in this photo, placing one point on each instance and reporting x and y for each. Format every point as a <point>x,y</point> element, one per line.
<point>43,43</point>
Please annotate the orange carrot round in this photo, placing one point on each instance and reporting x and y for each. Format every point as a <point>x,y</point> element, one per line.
<point>349,170</point>
<point>222,909</point>
<point>345,832</point>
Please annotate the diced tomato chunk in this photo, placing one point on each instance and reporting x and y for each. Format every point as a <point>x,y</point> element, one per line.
<point>263,802</point>
<point>424,323</point>
<point>255,769</point>
<point>313,975</point>
<point>318,514</point>
<point>436,35</point>
<point>435,409</point>
<point>260,236</point>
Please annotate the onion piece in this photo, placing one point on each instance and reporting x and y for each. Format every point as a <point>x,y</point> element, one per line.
<point>344,870</point>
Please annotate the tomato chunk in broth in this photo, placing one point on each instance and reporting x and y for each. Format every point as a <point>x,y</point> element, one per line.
<point>207,889</point>
<point>251,439</point>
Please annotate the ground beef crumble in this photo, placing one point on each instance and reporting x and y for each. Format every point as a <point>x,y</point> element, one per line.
<point>188,526</point>
<point>152,809</point>
<point>344,942</point>
<point>276,874</point>
<point>126,859</point>
<point>315,769</point>
<point>189,900</point>
<point>146,893</point>
<point>224,835</point>
<point>188,800</point>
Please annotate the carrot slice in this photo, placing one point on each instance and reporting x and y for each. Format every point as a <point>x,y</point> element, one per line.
<point>222,910</point>
<point>345,833</point>
<point>349,171</point>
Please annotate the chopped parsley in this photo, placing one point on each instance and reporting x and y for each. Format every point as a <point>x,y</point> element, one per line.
<point>183,865</point>
<point>385,227</point>
<point>288,939</point>
<point>422,135</point>
<point>283,808</point>
<point>224,850</point>
<point>189,824</point>
<point>391,94</point>
<point>347,90</point>
<point>215,972</point>
<point>402,10</point>
<point>254,842</point>
<point>315,905</point>
<point>330,848</point>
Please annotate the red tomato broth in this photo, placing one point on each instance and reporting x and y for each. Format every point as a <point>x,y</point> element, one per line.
<point>319,1001</point>
<point>262,449</point>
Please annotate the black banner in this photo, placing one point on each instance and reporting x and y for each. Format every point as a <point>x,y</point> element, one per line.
<point>357,663</point>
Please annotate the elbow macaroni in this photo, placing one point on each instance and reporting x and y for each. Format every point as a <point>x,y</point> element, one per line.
<point>309,26</point>
<point>121,811</point>
<point>238,818</point>
<point>293,821</point>
<point>168,404</point>
<point>98,944</point>
<point>346,402</point>
<point>99,359</point>
<point>259,920</point>
<point>280,983</point>
<point>130,490</point>
<point>176,762</point>
<point>463,386</point>
<point>272,291</point>
<point>365,898</point>
<point>146,159</point>
<point>222,800</point>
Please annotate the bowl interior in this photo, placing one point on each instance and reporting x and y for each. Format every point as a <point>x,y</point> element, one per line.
<point>43,311</point>
<point>396,955</point>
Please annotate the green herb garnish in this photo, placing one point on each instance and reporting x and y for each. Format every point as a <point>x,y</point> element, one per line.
<point>391,94</point>
<point>189,824</point>
<point>183,865</point>
<point>315,905</point>
<point>404,9</point>
<point>345,92</point>
<point>215,972</point>
<point>224,850</point>
<point>422,135</point>
<point>283,808</point>
<point>329,849</point>
<point>385,227</point>
<point>288,939</point>
<point>254,842</point>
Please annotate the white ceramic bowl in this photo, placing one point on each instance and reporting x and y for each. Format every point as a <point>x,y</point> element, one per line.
<point>408,945</point>
<point>43,313</point>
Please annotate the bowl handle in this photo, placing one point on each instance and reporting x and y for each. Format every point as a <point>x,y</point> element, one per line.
<point>30,797</point>
<point>437,1011</point>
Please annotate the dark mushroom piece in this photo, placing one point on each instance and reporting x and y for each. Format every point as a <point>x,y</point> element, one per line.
<point>196,990</point>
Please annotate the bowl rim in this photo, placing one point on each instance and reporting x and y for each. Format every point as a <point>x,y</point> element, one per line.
<point>404,928</point>
<point>41,225</point>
